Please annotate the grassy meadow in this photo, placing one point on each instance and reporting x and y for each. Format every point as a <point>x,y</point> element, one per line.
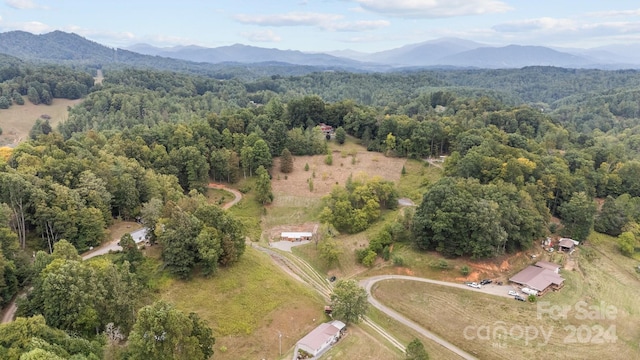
<point>17,121</point>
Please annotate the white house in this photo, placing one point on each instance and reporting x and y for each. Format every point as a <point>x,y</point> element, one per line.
<point>295,236</point>
<point>139,235</point>
<point>321,337</point>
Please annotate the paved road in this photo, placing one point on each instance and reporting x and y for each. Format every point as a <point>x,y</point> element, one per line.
<point>113,246</point>
<point>488,289</point>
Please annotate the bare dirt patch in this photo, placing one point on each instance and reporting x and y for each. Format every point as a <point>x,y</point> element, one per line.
<point>327,176</point>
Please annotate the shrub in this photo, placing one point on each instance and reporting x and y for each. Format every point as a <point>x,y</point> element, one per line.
<point>465,270</point>
<point>369,258</point>
<point>329,159</point>
<point>532,298</point>
<point>306,167</point>
<point>398,260</point>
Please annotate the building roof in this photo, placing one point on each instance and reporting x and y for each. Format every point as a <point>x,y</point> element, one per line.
<point>567,243</point>
<point>537,278</point>
<point>296,234</point>
<point>139,235</point>
<point>548,265</point>
<point>319,336</point>
<point>338,324</point>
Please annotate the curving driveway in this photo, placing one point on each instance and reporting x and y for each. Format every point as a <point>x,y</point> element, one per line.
<point>112,245</point>
<point>368,283</point>
<point>237,194</point>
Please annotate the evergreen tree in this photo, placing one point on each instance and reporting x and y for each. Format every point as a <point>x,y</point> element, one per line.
<point>341,135</point>
<point>286,161</point>
<point>263,186</point>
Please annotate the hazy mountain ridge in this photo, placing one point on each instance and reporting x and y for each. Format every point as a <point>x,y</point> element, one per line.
<point>59,46</point>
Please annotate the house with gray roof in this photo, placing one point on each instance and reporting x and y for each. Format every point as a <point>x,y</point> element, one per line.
<point>321,338</point>
<point>541,277</point>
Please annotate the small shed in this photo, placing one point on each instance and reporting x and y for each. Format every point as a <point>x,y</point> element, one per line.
<point>566,244</point>
<point>295,236</point>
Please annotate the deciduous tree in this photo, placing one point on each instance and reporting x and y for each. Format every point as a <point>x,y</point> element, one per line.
<point>578,216</point>
<point>415,351</point>
<point>349,301</point>
<point>162,332</point>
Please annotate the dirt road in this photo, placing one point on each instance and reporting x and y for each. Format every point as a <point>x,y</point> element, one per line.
<point>237,194</point>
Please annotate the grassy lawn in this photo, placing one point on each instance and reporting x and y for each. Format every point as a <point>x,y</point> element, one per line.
<point>291,210</point>
<point>362,343</point>
<point>602,277</point>
<point>218,196</point>
<point>248,210</point>
<point>405,335</point>
<point>247,304</point>
<point>418,176</point>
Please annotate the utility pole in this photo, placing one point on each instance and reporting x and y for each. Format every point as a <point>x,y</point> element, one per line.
<point>280,337</point>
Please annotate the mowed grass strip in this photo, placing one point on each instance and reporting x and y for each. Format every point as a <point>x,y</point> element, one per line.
<point>362,343</point>
<point>405,335</point>
<point>247,304</point>
<point>291,210</point>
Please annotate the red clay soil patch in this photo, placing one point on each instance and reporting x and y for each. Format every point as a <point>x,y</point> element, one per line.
<point>367,164</point>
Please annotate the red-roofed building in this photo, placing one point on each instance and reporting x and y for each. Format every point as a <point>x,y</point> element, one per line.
<point>326,129</point>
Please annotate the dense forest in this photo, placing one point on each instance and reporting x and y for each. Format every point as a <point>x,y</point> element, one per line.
<point>521,146</point>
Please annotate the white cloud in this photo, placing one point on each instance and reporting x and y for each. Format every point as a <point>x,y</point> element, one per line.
<point>23,4</point>
<point>362,25</point>
<point>330,22</point>
<point>545,23</point>
<point>288,19</point>
<point>34,27</point>
<point>433,8</point>
<point>559,26</point>
<point>261,36</point>
<point>614,13</point>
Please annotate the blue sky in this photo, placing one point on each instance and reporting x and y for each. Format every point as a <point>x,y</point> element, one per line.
<point>326,25</point>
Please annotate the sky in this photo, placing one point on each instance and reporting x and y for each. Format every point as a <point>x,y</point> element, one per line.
<point>329,25</point>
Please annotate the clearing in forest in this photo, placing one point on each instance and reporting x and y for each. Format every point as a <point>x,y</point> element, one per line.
<point>17,121</point>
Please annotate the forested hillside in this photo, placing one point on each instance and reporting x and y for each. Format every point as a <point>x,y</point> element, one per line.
<point>144,144</point>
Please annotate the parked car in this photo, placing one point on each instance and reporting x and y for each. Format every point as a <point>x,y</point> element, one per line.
<point>475,285</point>
<point>512,293</point>
<point>519,298</point>
<point>486,281</point>
<point>332,279</point>
<point>529,291</point>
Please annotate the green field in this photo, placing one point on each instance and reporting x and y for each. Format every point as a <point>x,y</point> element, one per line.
<point>247,304</point>
<point>602,279</point>
<point>17,121</point>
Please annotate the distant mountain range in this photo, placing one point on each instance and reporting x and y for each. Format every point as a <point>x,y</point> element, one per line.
<point>59,46</point>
